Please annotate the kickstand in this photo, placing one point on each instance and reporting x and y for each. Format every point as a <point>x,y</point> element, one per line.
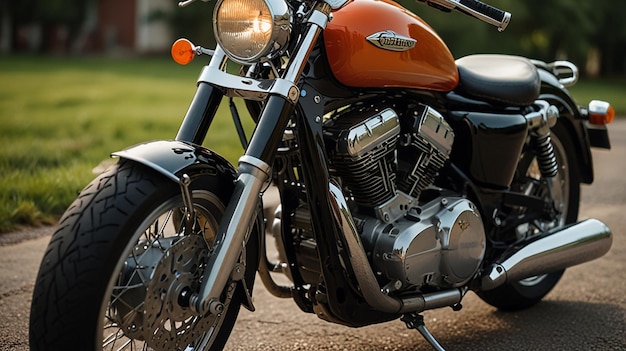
<point>416,321</point>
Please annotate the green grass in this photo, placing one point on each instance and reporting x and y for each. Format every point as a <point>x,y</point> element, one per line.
<point>61,117</point>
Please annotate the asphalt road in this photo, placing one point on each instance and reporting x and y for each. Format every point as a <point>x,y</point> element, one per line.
<point>586,311</point>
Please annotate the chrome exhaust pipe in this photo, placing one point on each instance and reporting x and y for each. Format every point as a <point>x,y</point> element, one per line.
<point>566,247</point>
<point>372,293</point>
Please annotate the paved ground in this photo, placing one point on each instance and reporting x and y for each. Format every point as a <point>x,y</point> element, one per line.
<point>586,311</point>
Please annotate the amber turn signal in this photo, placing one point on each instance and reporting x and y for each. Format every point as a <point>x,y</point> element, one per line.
<point>601,112</point>
<point>183,51</point>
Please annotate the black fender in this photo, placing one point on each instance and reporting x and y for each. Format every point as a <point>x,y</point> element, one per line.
<point>171,158</point>
<point>553,92</point>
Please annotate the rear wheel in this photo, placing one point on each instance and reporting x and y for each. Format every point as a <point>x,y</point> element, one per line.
<point>527,292</point>
<point>124,260</point>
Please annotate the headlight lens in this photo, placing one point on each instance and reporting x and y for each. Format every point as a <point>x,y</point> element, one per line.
<point>248,30</point>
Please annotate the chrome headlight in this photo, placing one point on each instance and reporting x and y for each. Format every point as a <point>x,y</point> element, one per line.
<point>248,30</point>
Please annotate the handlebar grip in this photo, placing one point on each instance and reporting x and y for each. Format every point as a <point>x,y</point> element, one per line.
<point>485,12</point>
<point>485,9</point>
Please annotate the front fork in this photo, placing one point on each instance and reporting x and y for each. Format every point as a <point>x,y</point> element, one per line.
<point>254,167</point>
<point>253,173</point>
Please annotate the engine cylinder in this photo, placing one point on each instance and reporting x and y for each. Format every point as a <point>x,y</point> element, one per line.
<point>387,162</point>
<point>364,154</point>
<point>426,147</point>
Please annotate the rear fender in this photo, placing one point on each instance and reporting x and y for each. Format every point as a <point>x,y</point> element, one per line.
<point>171,158</point>
<point>554,92</point>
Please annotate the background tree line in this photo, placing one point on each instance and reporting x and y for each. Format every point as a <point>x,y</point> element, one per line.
<point>592,34</point>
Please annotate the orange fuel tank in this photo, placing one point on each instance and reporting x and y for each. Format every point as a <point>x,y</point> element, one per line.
<point>378,43</point>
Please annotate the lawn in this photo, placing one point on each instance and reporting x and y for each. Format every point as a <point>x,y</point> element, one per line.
<point>60,118</point>
<point>613,91</point>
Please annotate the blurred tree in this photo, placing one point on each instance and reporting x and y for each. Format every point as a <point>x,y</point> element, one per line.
<point>194,22</point>
<point>609,36</point>
<point>589,33</point>
<point>59,12</point>
<point>557,29</point>
<point>545,30</point>
<point>14,14</point>
<point>61,18</point>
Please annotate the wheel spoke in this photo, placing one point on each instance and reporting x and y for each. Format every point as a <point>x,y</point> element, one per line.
<point>112,338</point>
<point>142,311</point>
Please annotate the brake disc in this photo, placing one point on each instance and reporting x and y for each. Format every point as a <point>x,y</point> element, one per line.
<point>167,324</point>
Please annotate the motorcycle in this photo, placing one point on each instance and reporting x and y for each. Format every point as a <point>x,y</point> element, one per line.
<point>406,178</point>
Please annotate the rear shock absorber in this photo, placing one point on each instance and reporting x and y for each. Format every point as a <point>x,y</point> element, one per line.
<point>546,158</point>
<point>540,122</point>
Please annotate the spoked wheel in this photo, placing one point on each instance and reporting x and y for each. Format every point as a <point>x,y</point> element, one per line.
<point>527,292</point>
<point>119,271</point>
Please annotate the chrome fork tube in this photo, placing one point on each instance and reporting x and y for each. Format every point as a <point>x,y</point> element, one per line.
<point>318,21</point>
<point>232,235</point>
<point>254,173</point>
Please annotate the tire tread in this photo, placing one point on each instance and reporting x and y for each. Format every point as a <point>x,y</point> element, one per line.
<point>77,252</point>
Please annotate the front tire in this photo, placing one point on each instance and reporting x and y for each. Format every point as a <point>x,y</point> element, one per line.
<point>116,268</point>
<point>528,292</point>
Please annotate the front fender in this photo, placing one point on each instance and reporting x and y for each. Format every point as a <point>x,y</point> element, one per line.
<point>170,158</point>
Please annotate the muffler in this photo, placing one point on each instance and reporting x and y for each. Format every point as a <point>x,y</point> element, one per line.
<point>566,247</point>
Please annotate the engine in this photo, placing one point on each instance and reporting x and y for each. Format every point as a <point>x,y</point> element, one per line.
<point>385,163</point>
<point>439,244</point>
<point>373,148</point>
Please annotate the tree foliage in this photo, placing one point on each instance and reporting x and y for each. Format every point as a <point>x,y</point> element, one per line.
<point>545,30</point>
<point>61,12</point>
<point>67,14</point>
<point>556,29</point>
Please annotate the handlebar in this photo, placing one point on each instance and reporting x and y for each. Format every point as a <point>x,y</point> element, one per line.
<point>475,8</point>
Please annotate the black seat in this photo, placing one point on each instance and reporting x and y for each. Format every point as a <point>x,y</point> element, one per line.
<point>500,79</point>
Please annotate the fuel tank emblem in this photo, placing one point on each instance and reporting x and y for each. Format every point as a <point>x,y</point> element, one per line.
<point>390,40</point>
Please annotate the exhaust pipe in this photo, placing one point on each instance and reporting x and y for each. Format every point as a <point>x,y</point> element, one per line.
<point>569,246</point>
<point>366,278</point>
<point>566,247</point>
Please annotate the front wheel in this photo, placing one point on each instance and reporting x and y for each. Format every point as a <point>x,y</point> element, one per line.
<point>528,292</point>
<point>117,272</point>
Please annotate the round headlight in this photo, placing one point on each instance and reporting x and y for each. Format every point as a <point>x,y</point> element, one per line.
<point>248,30</point>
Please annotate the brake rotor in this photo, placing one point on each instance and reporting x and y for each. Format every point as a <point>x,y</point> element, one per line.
<point>129,293</point>
<point>167,324</point>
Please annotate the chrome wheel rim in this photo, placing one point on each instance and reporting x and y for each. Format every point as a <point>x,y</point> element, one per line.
<point>140,309</point>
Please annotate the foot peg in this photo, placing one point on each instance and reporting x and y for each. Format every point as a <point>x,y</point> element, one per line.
<point>416,321</point>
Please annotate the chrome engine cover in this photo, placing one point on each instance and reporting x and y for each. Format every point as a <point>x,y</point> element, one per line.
<point>386,161</point>
<point>386,156</point>
<point>440,244</point>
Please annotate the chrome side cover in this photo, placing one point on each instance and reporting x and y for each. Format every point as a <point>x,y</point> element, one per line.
<point>365,277</point>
